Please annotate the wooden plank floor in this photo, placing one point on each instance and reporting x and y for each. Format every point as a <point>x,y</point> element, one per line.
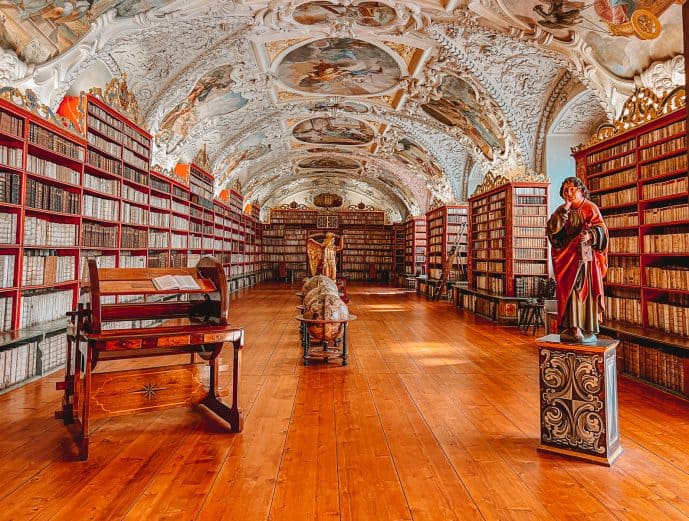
<point>435,418</point>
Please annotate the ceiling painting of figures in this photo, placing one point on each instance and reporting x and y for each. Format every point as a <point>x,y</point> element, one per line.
<point>333,131</point>
<point>250,148</point>
<point>625,36</point>
<point>417,158</point>
<point>339,66</point>
<point>38,30</point>
<point>458,107</point>
<point>211,96</point>
<point>333,163</point>
<point>369,14</point>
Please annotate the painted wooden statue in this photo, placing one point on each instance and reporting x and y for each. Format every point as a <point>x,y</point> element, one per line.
<point>579,240</point>
<point>324,255</point>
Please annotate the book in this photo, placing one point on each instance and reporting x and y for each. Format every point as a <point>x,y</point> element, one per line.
<point>170,282</point>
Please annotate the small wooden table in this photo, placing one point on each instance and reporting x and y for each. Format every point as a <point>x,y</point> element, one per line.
<point>322,350</point>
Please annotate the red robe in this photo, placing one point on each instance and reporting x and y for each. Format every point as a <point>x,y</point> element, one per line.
<point>566,253</point>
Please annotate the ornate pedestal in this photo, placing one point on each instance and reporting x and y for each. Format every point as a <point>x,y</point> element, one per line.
<point>578,394</point>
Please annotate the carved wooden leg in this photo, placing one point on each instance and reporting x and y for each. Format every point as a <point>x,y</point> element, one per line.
<point>344,344</point>
<point>232,415</point>
<point>84,442</point>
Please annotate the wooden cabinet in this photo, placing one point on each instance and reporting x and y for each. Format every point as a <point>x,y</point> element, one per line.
<point>638,178</point>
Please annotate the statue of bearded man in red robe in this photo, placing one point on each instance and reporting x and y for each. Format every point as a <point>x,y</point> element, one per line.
<point>579,240</point>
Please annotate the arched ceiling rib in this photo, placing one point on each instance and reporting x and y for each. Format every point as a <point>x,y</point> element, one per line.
<point>451,90</point>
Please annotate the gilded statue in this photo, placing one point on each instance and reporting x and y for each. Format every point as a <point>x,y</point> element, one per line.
<point>323,255</point>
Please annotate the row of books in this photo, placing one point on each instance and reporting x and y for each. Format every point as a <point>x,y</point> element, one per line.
<point>115,134</point>
<point>132,261</point>
<point>612,151</point>
<point>129,157</point>
<point>626,272</point>
<point>530,253</point>
<point>104,163</point>
<point>666,243</point>
<point>101,114</point>
<point>665,188</point>
<point>529,220</point>
<point>44,307</point>
<point>47,139</point>
<point>666,214</point>
<point>45,168</point>
<point>132,214</point>
<point>651,364</point>
<point>530,200</point>
<point>100,184</point>
<point>678,127</point>
<point>622,220</point>
<point>8,228</point>
<point>623,309</point>
<point>667,277</point>
<point>53,198</point>
<point>668,147</point>
<point>530,268</point>
<point>44,269</point>
<point>98,236</point>
<point>10,188</point>
<point>11,156</point>
<point>106,209</point>
<point>625,196</point>
<point>488,254</point>
<point>5,313</point>
<point>11,124</point>
<point>104,145</point>
<point>494,266</point>
<point>41,232</point>
<point>530,242</point>
<point>612,164</point>
<point>624,244</point>
<point>668,317</point>
<point>487,244</point>
<point>132,194</point>
<point>610,181</point>
<point>664,166</point>
<point>134,238</point>
<point>527,286</point>
<point>18,364</point>
<point>530,210</point>
<point>491,284</point>
<point>7,270</point>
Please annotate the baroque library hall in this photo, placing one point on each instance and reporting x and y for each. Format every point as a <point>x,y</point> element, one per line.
<point>354,260</point>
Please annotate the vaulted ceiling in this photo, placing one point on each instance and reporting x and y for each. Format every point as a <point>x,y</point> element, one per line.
<point>393,104</point>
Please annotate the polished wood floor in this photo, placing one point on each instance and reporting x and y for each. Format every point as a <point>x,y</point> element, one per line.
<point>435,418</point>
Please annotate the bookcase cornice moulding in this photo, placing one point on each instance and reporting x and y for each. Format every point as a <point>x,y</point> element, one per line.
<point>641,107</point>
<point>28,100</point>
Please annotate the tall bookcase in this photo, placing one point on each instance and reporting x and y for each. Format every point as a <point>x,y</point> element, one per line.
<point>415,246</point>
<point>41,169</point>
<point>508,250</point>
<point>636,170</point>
<point>398,231</point>
<point>446,229</point>
<point>368,242</point>
<point>82,190</point>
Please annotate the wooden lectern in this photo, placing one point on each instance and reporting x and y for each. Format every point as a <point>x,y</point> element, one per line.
<point>157,323</point>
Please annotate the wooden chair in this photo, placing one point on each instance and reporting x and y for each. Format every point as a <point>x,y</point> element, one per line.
<point>174,322</point>
<point>531,310</point>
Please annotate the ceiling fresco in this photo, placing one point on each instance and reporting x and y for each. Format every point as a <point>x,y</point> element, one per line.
<point>333,131</point>
<point>339,66</point>
<point>397,103</point>
<point>331,163</point>
<point>370,14</point>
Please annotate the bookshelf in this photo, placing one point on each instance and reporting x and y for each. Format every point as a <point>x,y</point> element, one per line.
<point>636,171</point>
<point>415,246</point>
<point>446,228</point>
<point>368,242</point>
<point>83,189</point>
<point>508,249</point>
<point>398,232</point>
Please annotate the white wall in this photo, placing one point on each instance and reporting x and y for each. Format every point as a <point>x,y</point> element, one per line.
<point>559,163</point>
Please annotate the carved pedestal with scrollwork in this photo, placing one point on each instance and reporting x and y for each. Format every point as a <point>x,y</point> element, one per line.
<point>578,395</point>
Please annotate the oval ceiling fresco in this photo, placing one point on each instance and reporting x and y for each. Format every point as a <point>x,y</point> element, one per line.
<point>458,107</point>
<point>333,131</point>
<point>334,163</point>
<point>369,14</point>
<point>341,66</point>
<point>417,158</point>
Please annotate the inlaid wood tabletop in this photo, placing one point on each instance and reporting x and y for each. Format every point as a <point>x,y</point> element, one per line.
<point>435,418</point>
